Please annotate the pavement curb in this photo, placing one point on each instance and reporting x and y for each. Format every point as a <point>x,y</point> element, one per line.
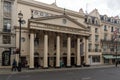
<point>52,69</point>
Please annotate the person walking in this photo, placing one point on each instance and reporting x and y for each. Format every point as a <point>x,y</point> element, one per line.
<point>14,65</point>
<point>19,66</point>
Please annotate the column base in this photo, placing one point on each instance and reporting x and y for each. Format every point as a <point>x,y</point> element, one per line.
<point>78,66</point>
<point>86,65</point>
<point>68,66</point>
<point>57,67</point>
<point>45,67</point>
<point>31,68</point>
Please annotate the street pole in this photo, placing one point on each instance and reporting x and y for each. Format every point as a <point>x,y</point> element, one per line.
<point>115,40</point>
<point>20,40</point>
<point>116,54</point>
<point>20,16</point>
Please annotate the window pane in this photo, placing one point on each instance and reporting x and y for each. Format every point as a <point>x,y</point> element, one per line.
<point>7,25</point>
<point>7,9</point>
<point>96,58</point>
<point>6,39</point>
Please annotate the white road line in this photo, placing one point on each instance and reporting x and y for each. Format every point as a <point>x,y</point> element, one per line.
<point>86,78</point>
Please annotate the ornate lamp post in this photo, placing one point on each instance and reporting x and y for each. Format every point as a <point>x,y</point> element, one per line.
<point>21,21</point>
<point>20,16</point>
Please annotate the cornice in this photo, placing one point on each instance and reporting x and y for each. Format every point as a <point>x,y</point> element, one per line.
<point>23,28</point>
<point>51,8</point>
<point>108,23</point>
<point>62,29</point>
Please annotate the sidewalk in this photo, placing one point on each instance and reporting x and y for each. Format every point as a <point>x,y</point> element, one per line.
<point>25,70</point>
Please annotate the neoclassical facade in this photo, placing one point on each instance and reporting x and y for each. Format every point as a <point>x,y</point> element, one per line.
<point>54,36</point>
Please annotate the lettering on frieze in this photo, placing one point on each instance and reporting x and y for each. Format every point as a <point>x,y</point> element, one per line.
<point>37,14</point>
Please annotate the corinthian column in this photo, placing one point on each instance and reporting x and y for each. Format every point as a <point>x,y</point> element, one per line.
<point>58,52</point>
<point>31,50</point>
<point>69,52</point>
<point>45,65</point>
<point>78,52</point>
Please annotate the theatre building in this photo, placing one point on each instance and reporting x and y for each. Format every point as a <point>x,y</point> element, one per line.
<point>52,36</point>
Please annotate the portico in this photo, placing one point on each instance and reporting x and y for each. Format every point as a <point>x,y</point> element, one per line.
<point>57,42</point>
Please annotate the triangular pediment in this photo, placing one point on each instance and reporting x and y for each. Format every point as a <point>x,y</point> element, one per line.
<point>60,20</point>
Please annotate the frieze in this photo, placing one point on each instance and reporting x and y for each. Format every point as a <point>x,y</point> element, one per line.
<point>36,14</point>
<point>60,28</point>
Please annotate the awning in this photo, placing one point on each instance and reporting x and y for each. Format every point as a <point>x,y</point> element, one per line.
<point>108,56</point>
<point>111,57</point>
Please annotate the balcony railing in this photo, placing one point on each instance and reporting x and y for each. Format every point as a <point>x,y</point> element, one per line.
<point>94,50</point>
<point>6,30</point>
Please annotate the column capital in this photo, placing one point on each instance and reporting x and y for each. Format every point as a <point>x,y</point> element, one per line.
<point>68,35</point>
<point>86,37</point>
<point>45,32</point>
<point>32,31</point>
<point>57,34</point>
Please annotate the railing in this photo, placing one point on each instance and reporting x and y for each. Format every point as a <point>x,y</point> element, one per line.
<point>94,50</point>
<point>6,30</point>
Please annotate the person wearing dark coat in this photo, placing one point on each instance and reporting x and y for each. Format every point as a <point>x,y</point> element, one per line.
<point>14,65</point>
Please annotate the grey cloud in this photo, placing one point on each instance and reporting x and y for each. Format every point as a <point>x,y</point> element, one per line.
<point>113,4</point>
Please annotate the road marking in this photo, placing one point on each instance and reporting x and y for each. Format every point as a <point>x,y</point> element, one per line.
<point>25,76</point>
<point>86,78</point>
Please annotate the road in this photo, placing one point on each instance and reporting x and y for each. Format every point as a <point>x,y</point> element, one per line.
<point>111,73</point>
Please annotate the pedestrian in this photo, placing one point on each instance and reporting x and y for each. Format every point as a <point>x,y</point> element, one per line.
<point>14,65</point>
<point>19,66</point>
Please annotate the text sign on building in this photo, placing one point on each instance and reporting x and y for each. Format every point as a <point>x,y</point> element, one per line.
<point>37,14</point>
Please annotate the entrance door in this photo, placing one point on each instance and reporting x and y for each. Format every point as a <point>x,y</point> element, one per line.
<point>72,61</point>
<point>65,61</point>
<point>6,58</point>
<point>36,62</point>
<point>82,59</point>
<point>54,62</point>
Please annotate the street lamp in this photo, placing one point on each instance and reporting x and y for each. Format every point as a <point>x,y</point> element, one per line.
<point>20,16</point>
<point>21,21</point>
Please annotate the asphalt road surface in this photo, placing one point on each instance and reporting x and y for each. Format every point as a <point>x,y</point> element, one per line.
<point>77,74</point>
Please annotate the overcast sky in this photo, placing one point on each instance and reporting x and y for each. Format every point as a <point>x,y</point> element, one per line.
<point>108,7</point>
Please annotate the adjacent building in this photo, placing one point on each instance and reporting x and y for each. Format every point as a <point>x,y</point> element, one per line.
<point>54,36</point>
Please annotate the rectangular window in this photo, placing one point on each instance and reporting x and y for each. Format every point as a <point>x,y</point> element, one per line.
<point>96,37</point>
<point>104,48</point>
<point>64,42</point>
<point>6,25</point>
<point>89,47</point>
<point>36,42</point>
<point>6,39</point>
<point>96,30</point>
<point>96,58</point>
<point>105,28</point>
<point>112,29</point>
<point>7,9</point>
<point>96,47</point>
<point>105,36</point>
<point>72,43</point>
